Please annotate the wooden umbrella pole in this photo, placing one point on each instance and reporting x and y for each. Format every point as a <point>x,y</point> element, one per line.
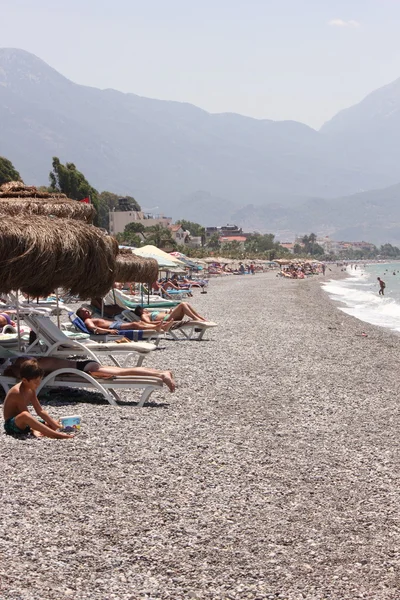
<point>18,323</point>
<point>58,311</point>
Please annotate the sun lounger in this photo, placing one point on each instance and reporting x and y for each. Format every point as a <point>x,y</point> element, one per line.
<point>134,335</point>
<point>107,387</point>
<point>127,301</point>
<point>51,341</point>
<point>182,330</point>
<point>190,330</point>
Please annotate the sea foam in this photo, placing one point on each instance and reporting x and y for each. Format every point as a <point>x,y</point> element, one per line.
<point>359,297</point>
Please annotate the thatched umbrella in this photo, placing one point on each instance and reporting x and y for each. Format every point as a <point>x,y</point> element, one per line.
<point>132,268</point>
<point>18,199</point>
<point>39,255</point>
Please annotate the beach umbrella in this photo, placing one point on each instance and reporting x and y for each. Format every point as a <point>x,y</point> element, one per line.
<point>17,199</point>
<point>163,263</point>
<point>161,256</point>
<point>132,268</point>
<point>188,262</point>
<point>41,254</point>
<point>209,260</point>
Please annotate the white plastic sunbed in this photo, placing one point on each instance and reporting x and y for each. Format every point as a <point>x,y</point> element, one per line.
<point>148,335</point>
<point>51,341</point>
<point>183,330</point>
<point>73,378</point>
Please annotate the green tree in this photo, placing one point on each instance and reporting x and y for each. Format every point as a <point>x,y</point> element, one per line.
<point>194,229</point>
<point>107,201</point>
<point>68,180</point>
<point>257,243</point>
<point>134,227</point>
<point>132,239</point>
<point>113,200</point>
<point>8,171</point>
<point>233,249</point>
<point>311,246</point>
<point>214,242</point>
<point>389,251</point>
<point>131,235</point>
<point>159,236</point>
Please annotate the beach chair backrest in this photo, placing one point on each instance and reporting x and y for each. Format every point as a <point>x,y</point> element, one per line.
<point>47,329</point>
<point>133,335</point>
<point>79,324</point>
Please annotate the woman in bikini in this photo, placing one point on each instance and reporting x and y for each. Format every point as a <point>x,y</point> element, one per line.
<point>5,319</point>
<point>175,314</point>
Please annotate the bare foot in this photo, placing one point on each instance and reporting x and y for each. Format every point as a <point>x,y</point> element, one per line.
<point>168,379</point>
<point>37,434</point>
<point>166,326</point>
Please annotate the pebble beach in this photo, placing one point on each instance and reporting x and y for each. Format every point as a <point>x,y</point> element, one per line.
<point>272,472</point>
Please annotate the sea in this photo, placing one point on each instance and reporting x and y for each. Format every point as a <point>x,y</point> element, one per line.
<point>358,294</point>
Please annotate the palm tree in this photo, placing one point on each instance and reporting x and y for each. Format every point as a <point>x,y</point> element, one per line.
<point>159,236</point>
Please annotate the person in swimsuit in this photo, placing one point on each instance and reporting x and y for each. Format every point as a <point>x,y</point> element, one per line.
<point>382,286</point>
<point>184,309</point>
<point>48,364</point>
<point>17,418</point>
<point>109,310</point>
<point>114,327</point>
<point>5,319</point>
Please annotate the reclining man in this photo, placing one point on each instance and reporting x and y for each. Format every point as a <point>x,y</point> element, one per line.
<point>49,364</point>
<point>114,327</point>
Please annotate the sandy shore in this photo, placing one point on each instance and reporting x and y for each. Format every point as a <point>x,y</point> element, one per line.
<point>272,472</point>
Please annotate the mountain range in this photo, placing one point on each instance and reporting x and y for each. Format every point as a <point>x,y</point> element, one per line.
<point>213,168</point>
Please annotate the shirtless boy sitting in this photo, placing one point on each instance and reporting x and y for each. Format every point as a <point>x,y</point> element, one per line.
<point>17,418</point>
<point>114,327</point>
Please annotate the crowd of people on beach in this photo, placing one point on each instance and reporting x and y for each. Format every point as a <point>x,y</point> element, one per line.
<point>30,369</point>
<point>301,270</point>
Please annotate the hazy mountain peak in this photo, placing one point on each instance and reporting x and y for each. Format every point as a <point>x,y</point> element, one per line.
<point>18,67</point>
<point>162,152</point>
<point>383,103</point>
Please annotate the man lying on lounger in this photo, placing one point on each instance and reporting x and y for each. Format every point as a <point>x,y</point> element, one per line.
<point>115,327</point>
<point>11,368</point>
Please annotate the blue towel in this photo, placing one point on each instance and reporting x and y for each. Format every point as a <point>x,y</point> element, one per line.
<point>79,324</point>
<point>132,334</point>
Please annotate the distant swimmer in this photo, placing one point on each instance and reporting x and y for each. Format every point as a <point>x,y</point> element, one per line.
<point>382,286</point>
<point>394,272</point>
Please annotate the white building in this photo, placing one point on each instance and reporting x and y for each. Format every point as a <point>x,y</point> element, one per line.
<point>179,234</point>
<point>120,218</point>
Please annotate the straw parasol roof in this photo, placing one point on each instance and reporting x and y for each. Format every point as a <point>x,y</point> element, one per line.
<point>17,199</point>
<point>40,254</point>
<point>132,268</point>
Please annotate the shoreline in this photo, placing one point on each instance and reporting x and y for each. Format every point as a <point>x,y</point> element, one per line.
<point>341,304</point>
<point>273,470</point>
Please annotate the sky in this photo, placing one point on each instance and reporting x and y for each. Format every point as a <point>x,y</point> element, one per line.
<point>302,60</point>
